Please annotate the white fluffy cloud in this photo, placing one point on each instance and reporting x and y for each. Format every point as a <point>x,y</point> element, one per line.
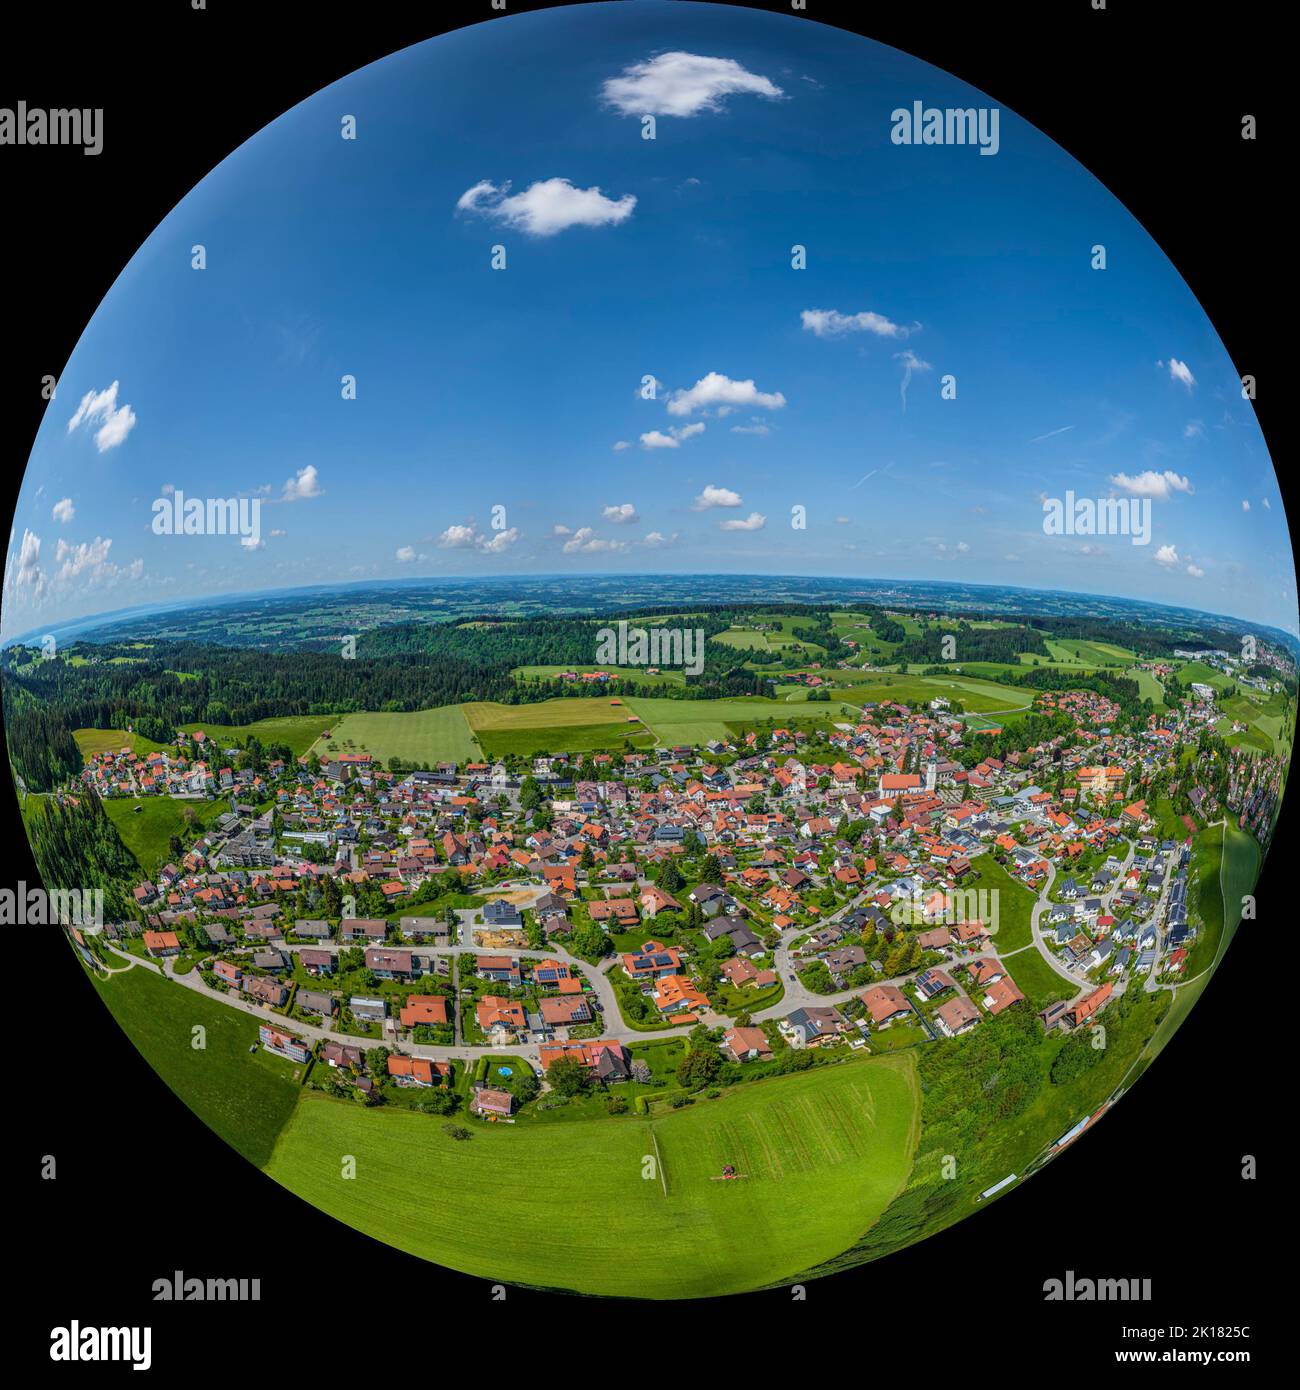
<point>546,207</point>
<point>657,439</point>
<point>457,537</point>
<point>585,541</point>
<point>683,84</point>
<point>28,573</point>
<point>621,444</point>
<point>305,484</point>
<point>830,323</point>
<point>755,521</point>
<point>721,391</point>
<point>714,496</point>
<point>77,559</point>
<point>1151,483</point>
<point>621,514</point>
<point>87,561</point>
<point>656,539</point>
<point>405,553</point>
<point>1195,571</point>
<point>1180,371</point>
<point>100,407</point>
<point>63,510</point>
<point>1167,556</point>
<point>1245,504</point>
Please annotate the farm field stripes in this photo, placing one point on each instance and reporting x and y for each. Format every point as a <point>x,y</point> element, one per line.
<point>822,1154</point>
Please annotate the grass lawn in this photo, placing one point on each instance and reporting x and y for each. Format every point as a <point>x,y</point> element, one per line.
<point>699,721</point>
<point>226,1086</point>
<point>94,741</point>
<point>567,1205</point>
<point>422,736</point>
<point>1149,688</point>
<point>1228,865</point>
<point>146,832</point>
<point>1015,903</point>
<point>566,725</point>
<point>1039,983</point>
<point>296,731</point>
<point>968,693</point>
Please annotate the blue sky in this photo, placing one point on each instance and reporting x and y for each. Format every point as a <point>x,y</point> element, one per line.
<point>630,258</point>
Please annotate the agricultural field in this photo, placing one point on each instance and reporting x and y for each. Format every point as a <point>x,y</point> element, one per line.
<point>968,693</point>
<point>422,736</point>
<point>857,628</point>
<point>1149,688</point>
<point>1202,674</point>
<point>965,691</point>
<point>1068,652</point>
<point>296,731</point>
<point>225,1085</point>
<point>571,725</point>
<point>1227,860</point>
<point>95,741</point>
<point>566,1205</point>
<point>699,721</point>
<point>147,824</point>
<point>1265,716</point>
<point>780,637</point>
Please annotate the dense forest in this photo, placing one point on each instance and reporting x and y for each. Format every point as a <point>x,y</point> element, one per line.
<point>76,846</point>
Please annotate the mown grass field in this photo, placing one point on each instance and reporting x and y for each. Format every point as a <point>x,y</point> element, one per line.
<point>1014,903</point>
<point>247,1104</point>
<point>1039,983</point>
<point>967,693</point>
<point>1227,860</point>
<point>567,725</point>
<point>422,736</point>
<point>96,741</point>
<point>699,721</point>
<point>146,832</point>
<point>296,731</point>
<point>571,1205</point>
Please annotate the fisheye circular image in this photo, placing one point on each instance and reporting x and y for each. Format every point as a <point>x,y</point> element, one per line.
<point>649,651</point>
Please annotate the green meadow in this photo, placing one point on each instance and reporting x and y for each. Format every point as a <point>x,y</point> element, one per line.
<point>628,1206</point>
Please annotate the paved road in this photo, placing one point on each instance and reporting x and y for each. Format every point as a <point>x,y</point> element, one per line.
<point>796,994</point>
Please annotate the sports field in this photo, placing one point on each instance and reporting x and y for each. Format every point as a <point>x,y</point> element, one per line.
<point>624,1206</point>
<point>422,736</point>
